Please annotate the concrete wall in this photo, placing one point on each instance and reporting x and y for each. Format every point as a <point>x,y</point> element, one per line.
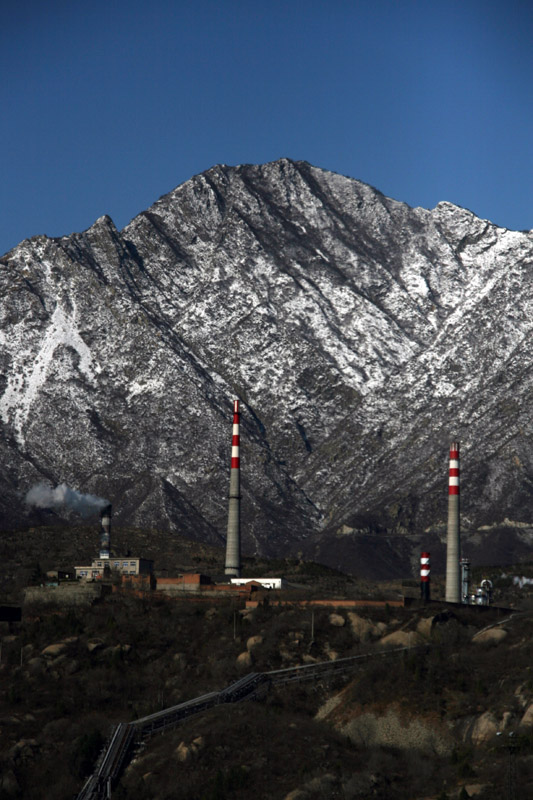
<point>65,594</point>
<point>331,603</point>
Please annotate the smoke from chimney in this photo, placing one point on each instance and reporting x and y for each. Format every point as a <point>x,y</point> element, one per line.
<point>105,534</point>
<point>42,495</point>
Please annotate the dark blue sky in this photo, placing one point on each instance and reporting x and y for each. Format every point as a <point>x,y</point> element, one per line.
<point>108,105</point>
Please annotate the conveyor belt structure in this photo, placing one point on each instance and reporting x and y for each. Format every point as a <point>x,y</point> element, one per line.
<point>117,749</point>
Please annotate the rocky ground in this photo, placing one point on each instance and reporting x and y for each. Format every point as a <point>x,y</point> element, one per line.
<point>444,719</point>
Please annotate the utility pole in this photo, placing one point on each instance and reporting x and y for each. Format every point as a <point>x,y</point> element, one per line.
<point>511,746</point>
<point>510,782</point>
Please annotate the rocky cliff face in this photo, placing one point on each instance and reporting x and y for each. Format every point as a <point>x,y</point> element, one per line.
<point>361,335</point>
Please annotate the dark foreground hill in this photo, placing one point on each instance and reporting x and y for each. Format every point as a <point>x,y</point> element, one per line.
<point>422,724</point>
<point>361,336</point>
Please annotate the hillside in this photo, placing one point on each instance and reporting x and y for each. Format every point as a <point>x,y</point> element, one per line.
<point>361,336</point>
<point>67,675</point>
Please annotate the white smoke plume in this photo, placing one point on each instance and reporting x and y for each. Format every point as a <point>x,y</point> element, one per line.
<point>42,495</point>
<point>521,581</point>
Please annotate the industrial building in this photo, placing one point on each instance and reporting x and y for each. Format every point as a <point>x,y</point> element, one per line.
<point>122,566</point>
<point>265,583</point>
<point>106,565</point>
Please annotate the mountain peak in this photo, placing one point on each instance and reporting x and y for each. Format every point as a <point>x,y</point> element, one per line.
<point>356,330</point>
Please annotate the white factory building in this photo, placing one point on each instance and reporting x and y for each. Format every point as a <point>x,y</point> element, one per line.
<point>122,566</point>
<point>266,583</point>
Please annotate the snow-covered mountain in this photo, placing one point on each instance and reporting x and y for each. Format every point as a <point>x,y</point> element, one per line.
<point>361,336</point>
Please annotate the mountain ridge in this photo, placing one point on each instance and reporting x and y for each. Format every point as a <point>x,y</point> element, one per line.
<point>360,334</point>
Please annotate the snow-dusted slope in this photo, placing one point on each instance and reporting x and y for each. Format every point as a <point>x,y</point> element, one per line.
<point>360,334</point>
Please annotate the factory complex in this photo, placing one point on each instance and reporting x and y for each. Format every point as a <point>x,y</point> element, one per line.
<point>137,573</point>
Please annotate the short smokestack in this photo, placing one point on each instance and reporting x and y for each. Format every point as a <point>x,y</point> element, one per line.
<point>465,580</point>
<point>424,578</point>
<point>453,549</point>
<point>105,532</point>
<point>233,541</point>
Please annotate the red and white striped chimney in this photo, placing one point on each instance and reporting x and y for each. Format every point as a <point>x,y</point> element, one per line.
<point>453,544</point>
<point>235,439</point>
<point>424,577</point>
<point>233,541</point>
<point>453,480</point>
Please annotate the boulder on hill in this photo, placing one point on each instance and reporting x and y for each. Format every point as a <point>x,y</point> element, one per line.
<point>244,660</point>
<point>54,650</point>
<point>401,639</point>
<point>183,752</point>
<point>527,719</point>
<point>493,636</point>
<point>484,728</point>
<point>427,625</point>
<point>329,652</point>
<point>523,695</point>
<point>473,789</point>
<point>363,629</point>
<point>254,641</point>
<point>393,727</point>
<point>424,626</point>
<point>36,666</point>
<point>23,750</point>
<point>322,786</point>
<point>95,644</point>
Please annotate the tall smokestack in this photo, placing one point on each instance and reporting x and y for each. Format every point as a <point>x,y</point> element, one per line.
<point>233,541</point>
<point>105,533</point>
<point>453,552</point>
